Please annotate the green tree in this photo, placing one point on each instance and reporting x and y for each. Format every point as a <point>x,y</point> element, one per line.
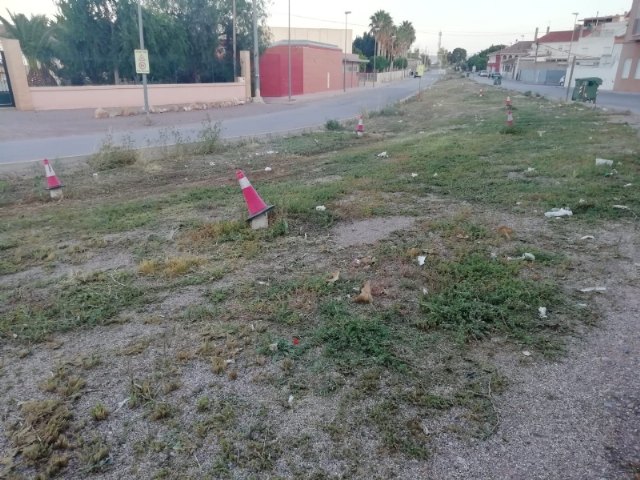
<point>37,41</point>
<point>95,39</point>
<point>364,44</point>
<point>457,57</point>
<point>479,60</point>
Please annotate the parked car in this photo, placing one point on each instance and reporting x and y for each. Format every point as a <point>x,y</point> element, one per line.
<point>483,73</point>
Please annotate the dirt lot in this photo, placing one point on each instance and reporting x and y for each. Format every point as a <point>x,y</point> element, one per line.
<point>429,322</point>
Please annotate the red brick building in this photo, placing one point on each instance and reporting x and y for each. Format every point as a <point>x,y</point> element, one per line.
<point>315,67</point>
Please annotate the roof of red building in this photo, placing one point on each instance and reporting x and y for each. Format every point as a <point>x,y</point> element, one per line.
<point>562,36</point>
<point>305,43</point>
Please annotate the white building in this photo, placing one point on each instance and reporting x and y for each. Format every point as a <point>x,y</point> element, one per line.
<point>593,44</point>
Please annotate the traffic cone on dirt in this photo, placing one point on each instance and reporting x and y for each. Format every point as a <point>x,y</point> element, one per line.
<point>53,184</point>
<point>509,118</point>
<point>507,102</point>
<point>360,127</point>
<point>258,210</point>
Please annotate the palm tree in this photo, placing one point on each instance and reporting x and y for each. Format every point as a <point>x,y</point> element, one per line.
<point>382,29</point>
<point>405,36</point>
<point>36,39</point>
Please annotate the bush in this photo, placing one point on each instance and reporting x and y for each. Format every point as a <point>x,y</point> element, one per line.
<point>112,156</point>
<point>333,125</point>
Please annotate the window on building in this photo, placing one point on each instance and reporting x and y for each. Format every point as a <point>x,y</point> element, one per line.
<point>637,75</point>
<point>626,68</point>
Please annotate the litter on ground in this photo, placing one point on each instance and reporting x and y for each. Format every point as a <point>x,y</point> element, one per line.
<point>604,162</point>
<point>383,155</point>
<point>593,289</point>
<point>421,259</point>
<point>542,312</point>
<point>321,208</point>
<point>558,212</point>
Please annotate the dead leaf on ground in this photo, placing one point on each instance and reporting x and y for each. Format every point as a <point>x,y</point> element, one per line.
<point>335,276</point>
<point>413,252</point>
<point>505,231</point>
<point>365,294</point>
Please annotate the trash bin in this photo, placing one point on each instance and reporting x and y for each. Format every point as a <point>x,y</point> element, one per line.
<point>497,79</point>
<point>586,89</point>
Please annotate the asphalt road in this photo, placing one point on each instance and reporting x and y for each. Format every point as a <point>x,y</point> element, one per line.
<point>52,134</point>
<point>606,99</point>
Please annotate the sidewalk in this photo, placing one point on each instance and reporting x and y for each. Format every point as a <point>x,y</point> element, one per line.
<point>17,125</point>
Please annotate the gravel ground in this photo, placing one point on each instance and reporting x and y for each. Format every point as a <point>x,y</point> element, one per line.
<point>577,418</point>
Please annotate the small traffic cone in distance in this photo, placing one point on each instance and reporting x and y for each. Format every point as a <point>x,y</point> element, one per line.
<point>53,184</point>
<point>509,118</point>
<point>507,102</point>
<point>360,127</point>
<point>258,210</point>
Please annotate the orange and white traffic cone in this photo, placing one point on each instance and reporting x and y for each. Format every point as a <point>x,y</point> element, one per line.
<point>507,102</point>
<point>509,118</point>
<point>258,210</point>
<point>53,184</point>
<point>360,127</point>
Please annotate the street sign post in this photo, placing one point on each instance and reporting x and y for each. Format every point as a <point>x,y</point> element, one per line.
<point>142,61</point>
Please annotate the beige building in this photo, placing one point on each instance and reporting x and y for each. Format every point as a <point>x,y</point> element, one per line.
<point>332,36</point>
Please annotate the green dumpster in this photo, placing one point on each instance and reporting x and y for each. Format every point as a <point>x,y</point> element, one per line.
<point>586,89</point>
<point>497,79</point>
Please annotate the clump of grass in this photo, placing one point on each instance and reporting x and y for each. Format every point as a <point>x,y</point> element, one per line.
<point>203,404</point>
<point>99,412</point>
<point>169,267</point>
<point>41,433</point>
<point>209,137</point>
<point>475,296</point>
<point>333,125</point>
<point>160,411</point>
<point>391,111</point>
<point>95,455</point>
<point>110,155</point>
<point>224,231</point>
<point>81,301</point>
<point>141,393</point>
<point>352,340</point>
<point>64,383</point>
<point>399,434</point>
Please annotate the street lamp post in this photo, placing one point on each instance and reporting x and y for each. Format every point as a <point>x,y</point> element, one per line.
<point>144,75</point>
<point>289,54</point>
<point>235,74</point>
<point>567,81</point>
<point>256,55</point>
<point>344,60</point>
<point>375,54</point>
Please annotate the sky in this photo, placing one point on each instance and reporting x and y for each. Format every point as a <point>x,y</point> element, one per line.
<point>470,24</point>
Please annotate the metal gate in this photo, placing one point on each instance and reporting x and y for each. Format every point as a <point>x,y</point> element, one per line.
<point>6,96</point>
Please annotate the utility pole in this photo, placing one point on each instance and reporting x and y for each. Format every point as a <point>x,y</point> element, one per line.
<point>289,53</point>
<point>344,58</point>
<point>256,55</point>
<point>375,54</point>
<point>144,75</point>
<point>567,81</point>
<point>235,71</point>
<point>440,60</point>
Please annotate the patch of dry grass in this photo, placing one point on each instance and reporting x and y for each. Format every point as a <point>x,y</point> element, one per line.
<point>170,267</point>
